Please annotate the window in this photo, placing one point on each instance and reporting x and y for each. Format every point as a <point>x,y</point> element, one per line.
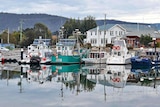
<point>120,32</point>
<point>101,40</point>
<point>106,40</point>
<point>111,33</point>
<point>104,32</point>
<point>115,32</point>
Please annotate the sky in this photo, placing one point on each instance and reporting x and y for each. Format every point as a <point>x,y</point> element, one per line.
<point>145,11</point>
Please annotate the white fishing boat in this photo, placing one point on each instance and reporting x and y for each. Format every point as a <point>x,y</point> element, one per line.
<point>38,53</point>
<point>97,57</point>
<point>119,54</point>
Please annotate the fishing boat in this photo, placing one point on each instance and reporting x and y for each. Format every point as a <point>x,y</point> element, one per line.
<point>145,58</point>
<point>39,53</point>
<point>119,54</point>
<point>96,57</point>
<point>67,52</point>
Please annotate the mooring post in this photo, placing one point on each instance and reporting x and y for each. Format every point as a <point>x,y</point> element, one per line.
<point>21,53</point>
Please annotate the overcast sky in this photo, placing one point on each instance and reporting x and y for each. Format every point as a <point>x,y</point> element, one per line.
<point>147,11</point>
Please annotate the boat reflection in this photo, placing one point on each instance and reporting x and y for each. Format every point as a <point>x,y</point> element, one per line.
<point>38,73</point>
<point>81,78</point>
<point>108,75</point>
<point>149,76</point>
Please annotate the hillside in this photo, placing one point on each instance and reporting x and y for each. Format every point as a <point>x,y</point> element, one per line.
<point>53,22</point>
<point>12,21</point>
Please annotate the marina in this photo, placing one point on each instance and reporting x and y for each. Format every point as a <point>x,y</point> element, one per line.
<point>59,53</point>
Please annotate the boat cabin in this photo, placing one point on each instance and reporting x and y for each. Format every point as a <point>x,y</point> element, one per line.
<point>66,46</point>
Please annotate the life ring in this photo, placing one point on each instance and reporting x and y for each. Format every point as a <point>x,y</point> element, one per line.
<point>118,47</point>
<point>116,79</point>
<point>114,47</point>
<point>44,59</point>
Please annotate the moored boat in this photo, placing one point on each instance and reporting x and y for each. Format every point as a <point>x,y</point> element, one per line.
<point>145,58</point>
<point>119,54</point>
<point>66,52</point>
<point>96,57</point>
<point>37,54</point>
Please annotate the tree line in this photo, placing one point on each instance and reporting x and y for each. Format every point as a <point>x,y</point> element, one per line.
<point>40,29</point>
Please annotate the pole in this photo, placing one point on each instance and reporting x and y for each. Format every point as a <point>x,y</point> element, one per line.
<point>104,29</point>
<point>8,36</point>
<point>20,30</point>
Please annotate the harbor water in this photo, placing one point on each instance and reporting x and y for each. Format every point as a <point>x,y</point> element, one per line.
<point>79,86</point>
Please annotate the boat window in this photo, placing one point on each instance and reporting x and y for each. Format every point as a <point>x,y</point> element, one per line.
<point>59,48</point>
<point>147,53</point>
<point>90,55</point>
<point>95,55</point>
<point>153,53</point>
<point>115,53</point>
<point>119,73</point>
<point>157,53</point>
<point>48,54</point>
<point>119,54</point>
<point>98,55</point>
<point>119,43</point>
<point>102,55</point>
<point>115,74</point>
<point>65,48</point>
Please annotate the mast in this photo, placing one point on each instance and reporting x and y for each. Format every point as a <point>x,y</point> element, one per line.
<point>21,22</point>
<point>104,42</point>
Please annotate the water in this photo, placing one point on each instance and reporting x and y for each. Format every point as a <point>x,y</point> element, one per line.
<point>78,86</point>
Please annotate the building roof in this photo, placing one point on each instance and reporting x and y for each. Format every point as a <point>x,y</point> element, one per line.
<point>128,27</point>
<point>131,29</point>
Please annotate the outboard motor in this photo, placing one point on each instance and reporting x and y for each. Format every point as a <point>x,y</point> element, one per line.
<point>35,60</point>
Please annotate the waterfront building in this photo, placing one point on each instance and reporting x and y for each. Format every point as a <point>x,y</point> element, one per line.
<point>105,34</point>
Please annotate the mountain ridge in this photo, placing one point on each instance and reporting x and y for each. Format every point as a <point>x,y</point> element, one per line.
<point>53,22</point>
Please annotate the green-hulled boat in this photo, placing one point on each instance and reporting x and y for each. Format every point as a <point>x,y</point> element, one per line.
<point>66,59</point>
<point>67,52</point>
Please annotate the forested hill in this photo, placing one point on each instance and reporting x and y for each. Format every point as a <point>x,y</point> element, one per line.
<point>53,22</point>
<point>12,21</point>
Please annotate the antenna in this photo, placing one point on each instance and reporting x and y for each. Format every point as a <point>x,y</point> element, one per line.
<point>104,29</point>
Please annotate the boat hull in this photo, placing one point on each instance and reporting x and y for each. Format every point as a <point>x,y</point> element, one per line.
<point>118,61</point>
<point>94,60</point>
<point>137,62</point>
<point>66,59</point>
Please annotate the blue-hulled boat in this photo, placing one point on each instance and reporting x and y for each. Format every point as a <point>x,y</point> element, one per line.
<point>145,58</point>
<point>138,62</point>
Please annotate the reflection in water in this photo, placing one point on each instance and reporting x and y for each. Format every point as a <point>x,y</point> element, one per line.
<point>108,79</point>
<point>85,76</point>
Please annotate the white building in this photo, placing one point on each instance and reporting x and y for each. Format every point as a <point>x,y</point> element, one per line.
<point>102,35</point>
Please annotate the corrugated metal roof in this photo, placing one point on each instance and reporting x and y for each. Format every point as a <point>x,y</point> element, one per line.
<point>132,29</point>
<point>128,27</point>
